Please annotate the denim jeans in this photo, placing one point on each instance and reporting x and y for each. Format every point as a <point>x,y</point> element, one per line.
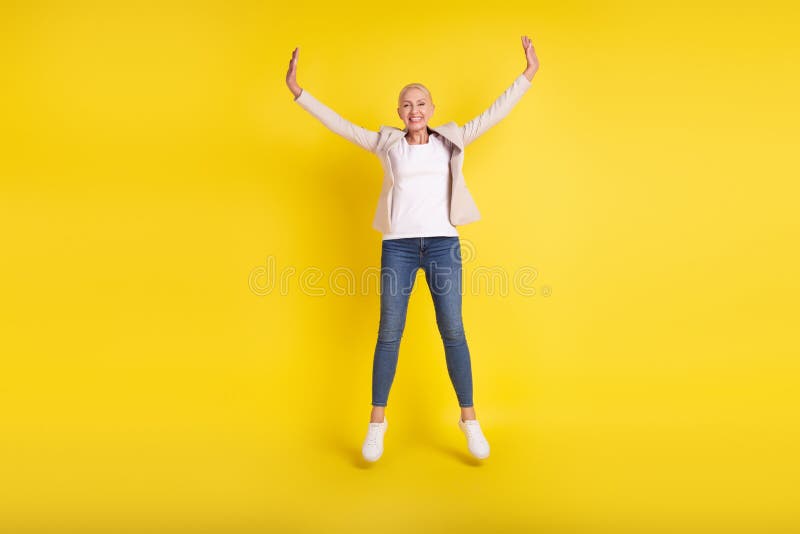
<point>440,258</point>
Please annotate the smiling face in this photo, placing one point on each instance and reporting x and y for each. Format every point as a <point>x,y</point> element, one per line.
<point>415,108</point>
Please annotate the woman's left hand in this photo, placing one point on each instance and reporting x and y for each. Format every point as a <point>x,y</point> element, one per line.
<point>530,55</point>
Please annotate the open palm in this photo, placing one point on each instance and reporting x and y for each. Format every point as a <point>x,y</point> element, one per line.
<point>530,53</point>
<point>291,74</point>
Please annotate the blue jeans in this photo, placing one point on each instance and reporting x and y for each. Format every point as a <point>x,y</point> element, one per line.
<point>440,258</point>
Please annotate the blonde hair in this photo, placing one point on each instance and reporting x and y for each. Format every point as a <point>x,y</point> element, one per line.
<point>418,86</point>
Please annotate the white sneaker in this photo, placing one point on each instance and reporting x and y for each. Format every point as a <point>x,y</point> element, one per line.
<point>373,443</point>
<point>476,442</point>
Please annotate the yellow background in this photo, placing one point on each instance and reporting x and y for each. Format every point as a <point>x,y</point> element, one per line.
<point>153,160</point>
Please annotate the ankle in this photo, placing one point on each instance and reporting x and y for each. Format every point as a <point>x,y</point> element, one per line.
<point>377,415</point>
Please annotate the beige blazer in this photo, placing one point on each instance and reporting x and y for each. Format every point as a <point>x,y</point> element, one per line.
<point>462,207</point>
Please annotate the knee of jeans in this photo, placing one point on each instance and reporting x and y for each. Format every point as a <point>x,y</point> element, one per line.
<point>389,334</point>
<point>452,333</point>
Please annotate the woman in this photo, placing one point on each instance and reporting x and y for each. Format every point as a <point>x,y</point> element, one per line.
<point>423,198</point>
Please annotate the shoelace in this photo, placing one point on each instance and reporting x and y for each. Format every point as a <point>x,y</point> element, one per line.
<point>473,430</point>
<point>374,432</point>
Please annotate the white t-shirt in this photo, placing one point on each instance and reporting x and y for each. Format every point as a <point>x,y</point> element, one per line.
<point>421,192</point>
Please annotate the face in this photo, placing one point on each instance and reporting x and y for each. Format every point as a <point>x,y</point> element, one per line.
<point>415,109</point>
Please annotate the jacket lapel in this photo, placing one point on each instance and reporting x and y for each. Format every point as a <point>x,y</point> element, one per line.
<point>451,131</point>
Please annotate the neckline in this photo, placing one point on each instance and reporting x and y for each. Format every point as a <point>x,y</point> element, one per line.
<point>419,144</point>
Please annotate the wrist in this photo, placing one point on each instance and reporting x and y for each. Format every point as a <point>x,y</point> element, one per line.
<point>529,72</point>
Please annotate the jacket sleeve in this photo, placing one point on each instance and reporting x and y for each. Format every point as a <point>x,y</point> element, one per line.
<point>364,138</point>
<point>499,109</point>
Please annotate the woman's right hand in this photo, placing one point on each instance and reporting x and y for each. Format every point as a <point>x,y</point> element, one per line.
<point>291,74</point>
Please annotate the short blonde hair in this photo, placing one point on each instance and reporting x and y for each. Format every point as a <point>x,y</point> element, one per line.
<point>418,86</point>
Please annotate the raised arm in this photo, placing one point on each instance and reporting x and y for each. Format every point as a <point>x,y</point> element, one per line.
<point>364,138</point>
<point>505,102</point>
